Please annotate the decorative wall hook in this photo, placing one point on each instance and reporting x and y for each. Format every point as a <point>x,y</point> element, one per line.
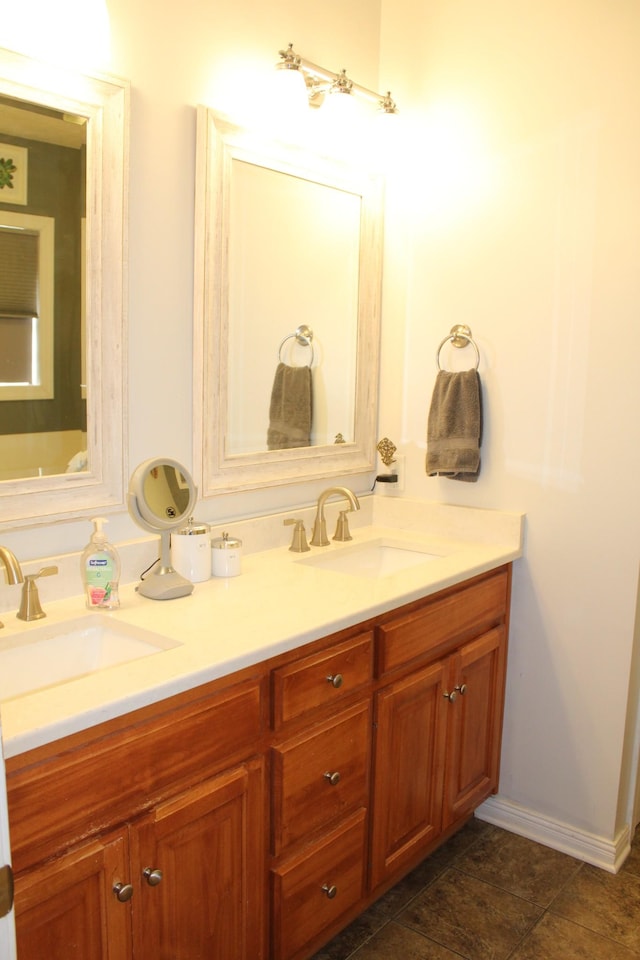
<point>386,449</point>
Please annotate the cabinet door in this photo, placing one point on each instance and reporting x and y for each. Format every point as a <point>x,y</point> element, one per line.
<point>409,763</point>
<point>68,910</point>
<point>475,717</point>
<point>200,864</point>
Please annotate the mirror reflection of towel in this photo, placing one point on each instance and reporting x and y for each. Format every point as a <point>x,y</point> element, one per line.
<point>290,408</point>
<point>454,430</point>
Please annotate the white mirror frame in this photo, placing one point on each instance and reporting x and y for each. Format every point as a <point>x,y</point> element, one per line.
<point>105,103</point>
<point>219,141</point>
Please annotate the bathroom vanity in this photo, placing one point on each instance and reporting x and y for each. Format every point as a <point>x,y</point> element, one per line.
<point>256,811</point>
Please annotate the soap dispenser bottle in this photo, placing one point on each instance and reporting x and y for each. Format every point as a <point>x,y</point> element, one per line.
<point>100,567</point>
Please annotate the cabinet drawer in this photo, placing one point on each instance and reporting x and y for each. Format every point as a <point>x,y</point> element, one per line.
<point>322,679</point>
<point>320,775</point>
<point>313,890</point>
<point>427,631</point>
<point>103,781</point>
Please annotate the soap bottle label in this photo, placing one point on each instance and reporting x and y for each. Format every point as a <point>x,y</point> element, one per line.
<point>102,589</point>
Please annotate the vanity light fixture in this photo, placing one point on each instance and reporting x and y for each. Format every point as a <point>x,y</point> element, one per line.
<point>318,81</point>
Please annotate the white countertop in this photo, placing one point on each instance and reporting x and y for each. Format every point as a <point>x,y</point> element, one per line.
<point>278,603</point>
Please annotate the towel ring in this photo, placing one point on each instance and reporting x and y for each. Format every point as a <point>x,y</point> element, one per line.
<point>303,336</point>
<point>460,336</point>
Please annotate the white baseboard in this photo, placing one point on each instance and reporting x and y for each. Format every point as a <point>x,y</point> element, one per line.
<point>609,855</point>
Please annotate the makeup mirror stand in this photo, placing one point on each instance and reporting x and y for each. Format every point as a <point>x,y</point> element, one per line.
<point>162,516</point>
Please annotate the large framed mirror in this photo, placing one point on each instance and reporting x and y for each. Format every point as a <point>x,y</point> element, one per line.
<point>287,311</point>
<point>63,175</point>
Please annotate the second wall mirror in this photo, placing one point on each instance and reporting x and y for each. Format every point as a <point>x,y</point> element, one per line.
<point>63,180</point>
<point>287,311</point>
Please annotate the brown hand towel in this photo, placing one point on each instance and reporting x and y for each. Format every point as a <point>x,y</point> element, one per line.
<point>290,409</point>
<point>454,431</point>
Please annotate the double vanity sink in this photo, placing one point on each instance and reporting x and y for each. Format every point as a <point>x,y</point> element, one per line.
<point>79,668</point>
<point>49,655</point>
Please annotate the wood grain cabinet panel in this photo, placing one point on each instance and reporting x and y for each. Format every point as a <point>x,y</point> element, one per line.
<point>67,909</point>
<point>85,788</point>
<point>475,717</point>
<point>410,739</point>
<point>315,888</point>
<point>440,624</point>
<point>320,775</point>
<point>322,680</point>
<point>200,872</point>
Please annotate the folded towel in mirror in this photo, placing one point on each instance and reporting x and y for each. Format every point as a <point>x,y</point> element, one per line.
<point>290,409</point>
<point>454,430</point>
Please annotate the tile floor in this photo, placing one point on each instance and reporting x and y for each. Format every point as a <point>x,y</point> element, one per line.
<point>491,895</point>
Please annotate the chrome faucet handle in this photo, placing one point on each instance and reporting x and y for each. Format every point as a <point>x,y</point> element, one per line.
<point>342,527</point>
<point>30,607</point>
<point>299,542</point>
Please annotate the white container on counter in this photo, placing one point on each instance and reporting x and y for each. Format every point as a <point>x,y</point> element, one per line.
<point>226,556</point>
<point>190,549</point>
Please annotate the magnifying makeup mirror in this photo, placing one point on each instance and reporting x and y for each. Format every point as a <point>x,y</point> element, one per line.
<point>161,498</point>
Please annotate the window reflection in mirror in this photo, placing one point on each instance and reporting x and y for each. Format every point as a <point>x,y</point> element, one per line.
<point>42,209</point>
<point>67,442</point>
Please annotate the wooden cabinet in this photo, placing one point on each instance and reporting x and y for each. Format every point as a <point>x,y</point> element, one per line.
<point>320,765</point>
<point>438,727</point>
<point>183,877</point>
<point>252,818</point>
<point>475,724</point>
<point>197,862</point>
<point>410,740</point>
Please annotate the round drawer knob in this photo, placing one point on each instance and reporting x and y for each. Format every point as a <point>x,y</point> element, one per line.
<point>153,877</point>
<point>335,680</point>
<point>333,778</point>
<point>123,891</point>
<point>330,890</point>
<point>451,697</point>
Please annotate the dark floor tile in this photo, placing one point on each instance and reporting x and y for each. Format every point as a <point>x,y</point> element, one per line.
<point>520,866</point>
<point>462,841</point>
<point>557,939</point>
<point>474,919</point>
<point>632,863</point>
<point>394,942</point>
<point>357,933</point>
<point>605,903</point>
<point>396,899</point>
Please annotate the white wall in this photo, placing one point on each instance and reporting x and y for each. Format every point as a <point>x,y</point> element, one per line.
<point>524,121</point>
<point>514,209</point>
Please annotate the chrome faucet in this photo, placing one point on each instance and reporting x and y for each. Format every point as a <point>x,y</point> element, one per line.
<point>319,536</point>
<point>12,568</point>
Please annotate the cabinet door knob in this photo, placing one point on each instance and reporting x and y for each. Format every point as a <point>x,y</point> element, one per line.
<point>462,689</point>
<point>330,890</point>
<point>333,778</point>
<point>153,877</point>
<point>451,697</point>
<point>123,891</point>
<point>335,680</point>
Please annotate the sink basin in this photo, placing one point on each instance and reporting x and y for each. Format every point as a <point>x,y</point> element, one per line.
<point>377,558</point>
<point>53,654</point>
